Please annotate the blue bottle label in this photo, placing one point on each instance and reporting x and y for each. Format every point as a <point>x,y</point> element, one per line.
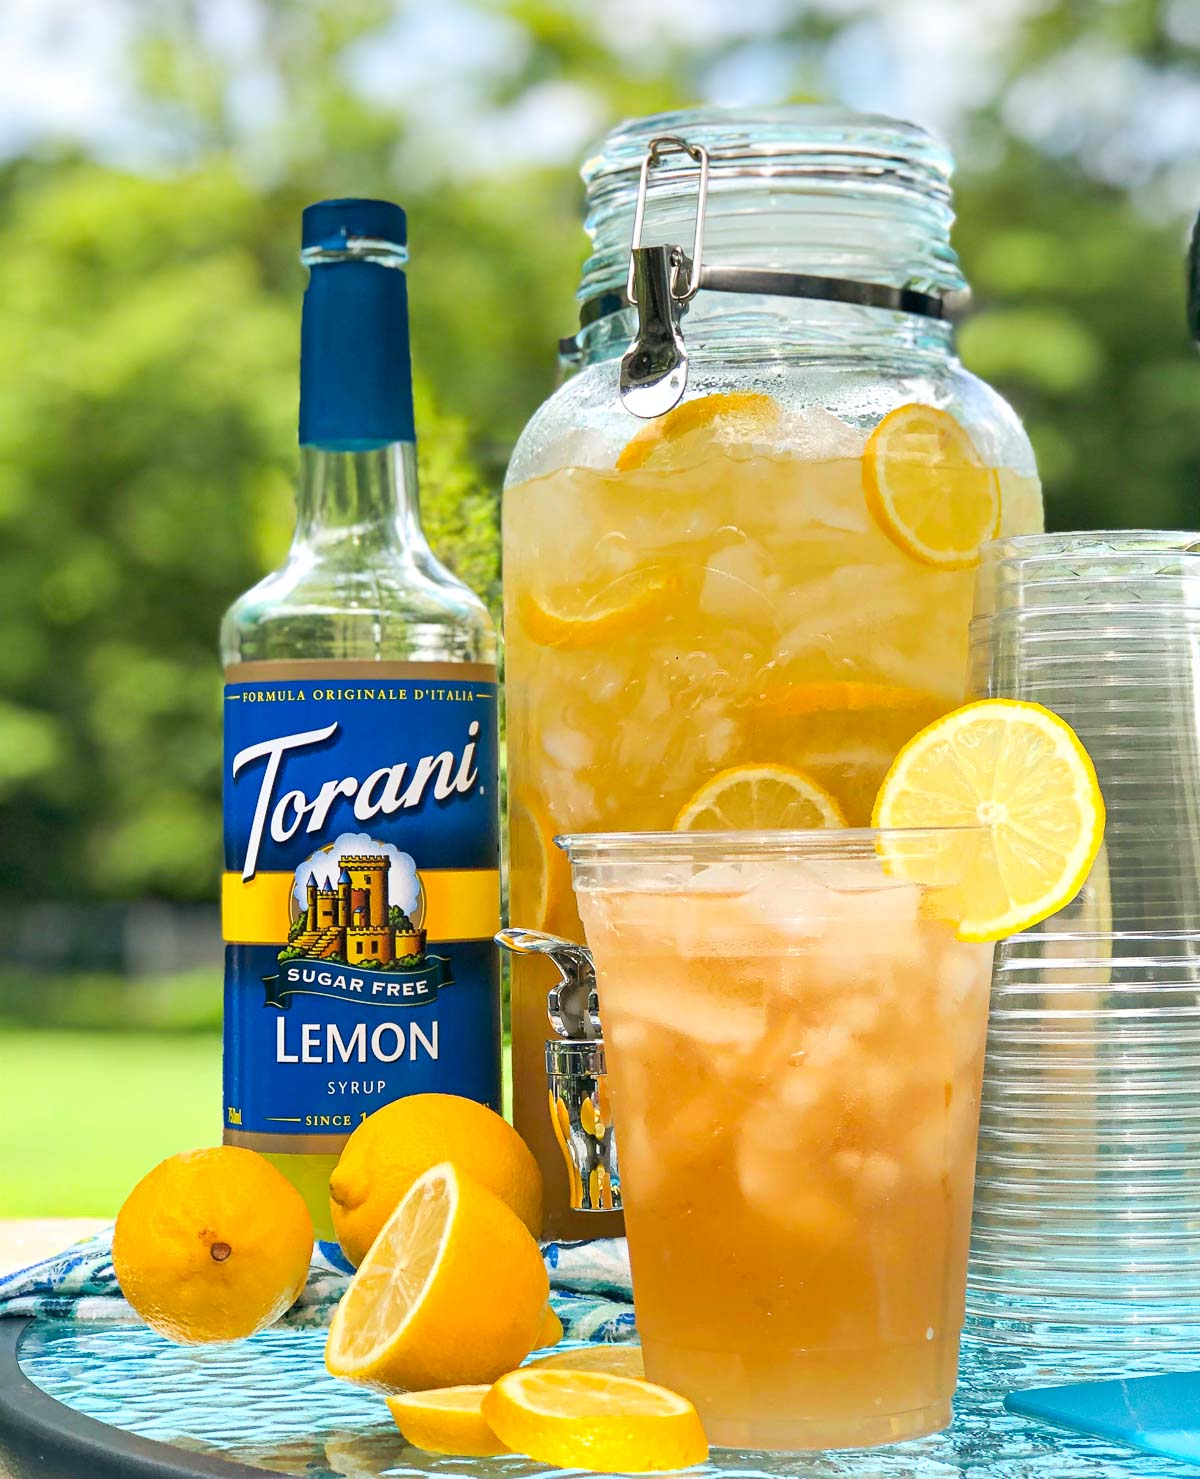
<point>360,896</point>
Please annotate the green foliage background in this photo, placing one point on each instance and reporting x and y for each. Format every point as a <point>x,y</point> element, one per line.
<point>148,344</point>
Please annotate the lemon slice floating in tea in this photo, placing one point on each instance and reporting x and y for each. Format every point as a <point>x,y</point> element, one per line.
<point>589,1420</point>
<point>1017,770</point>
<point>759,797</point>
<point>572,618</point>
<point>538,874</point>
<point>736,414</point>
<point>844,734</point>
<point>792,700</point>
<point>927,488</point>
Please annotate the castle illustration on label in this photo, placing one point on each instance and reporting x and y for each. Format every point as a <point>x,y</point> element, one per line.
<point>355,921</point>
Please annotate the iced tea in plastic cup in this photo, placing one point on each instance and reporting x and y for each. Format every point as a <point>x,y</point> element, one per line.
<point>795,1042</point>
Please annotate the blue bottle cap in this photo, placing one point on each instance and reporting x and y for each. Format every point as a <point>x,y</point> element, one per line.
<point>329,223</point>
<point>355,370</point>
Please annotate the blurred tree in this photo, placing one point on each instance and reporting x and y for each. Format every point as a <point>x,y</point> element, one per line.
<point>147,412</point>
<point>148,344</point>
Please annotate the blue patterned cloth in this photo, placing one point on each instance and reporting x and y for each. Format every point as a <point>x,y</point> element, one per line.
<point>589,1288</point>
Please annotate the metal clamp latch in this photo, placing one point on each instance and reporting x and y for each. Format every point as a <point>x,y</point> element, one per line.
<point>662,281</point>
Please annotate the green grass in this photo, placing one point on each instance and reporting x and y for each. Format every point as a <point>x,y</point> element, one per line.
<point>83,1115</point>
<point>189,1001</point>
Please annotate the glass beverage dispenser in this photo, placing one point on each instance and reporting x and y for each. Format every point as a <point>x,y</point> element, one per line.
<point>740,538</point>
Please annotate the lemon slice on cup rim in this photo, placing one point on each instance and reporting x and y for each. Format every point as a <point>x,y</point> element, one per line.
<point>1019,775</point>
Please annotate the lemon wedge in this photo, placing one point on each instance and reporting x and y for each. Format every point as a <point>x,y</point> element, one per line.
<point>452,1292</point>
<point>1018,771</point>
<point>759,797</point>
<point>590,1420</point>
<point>571,619</point>
<point>744,413</point>
<point>447,1420</point>
<point>927,488</point>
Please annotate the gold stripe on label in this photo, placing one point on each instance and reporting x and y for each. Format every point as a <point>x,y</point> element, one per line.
<point>266,1144</point>
<point>318,670</point>
<point>460,904</point>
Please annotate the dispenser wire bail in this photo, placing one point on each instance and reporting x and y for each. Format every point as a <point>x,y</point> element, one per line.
<point>666,144</point>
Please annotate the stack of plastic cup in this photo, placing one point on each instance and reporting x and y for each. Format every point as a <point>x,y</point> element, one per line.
<point>1087,1220</point>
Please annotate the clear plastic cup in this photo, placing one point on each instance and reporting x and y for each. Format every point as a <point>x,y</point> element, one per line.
<point>1104,629</point>
<point>1088,1188</point>
<point>1105,568</point>
<point>794,1039</point>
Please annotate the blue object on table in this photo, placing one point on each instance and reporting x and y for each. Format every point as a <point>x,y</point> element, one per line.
<point>1158,1414</point>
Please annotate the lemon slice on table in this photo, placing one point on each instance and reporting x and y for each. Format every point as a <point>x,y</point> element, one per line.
<point>927,488</point>
<point>589,1420</point>
<point>759,797</point>
<point>573,618</point>
<point>744,413</point>
<point>453,1292</point>
<point>1019,771</point>
<point>447,1420</point>
<point>613,1360</point>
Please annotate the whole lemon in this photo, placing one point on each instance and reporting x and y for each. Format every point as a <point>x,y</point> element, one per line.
<point>212,1245</point>
<point>401,1141</point>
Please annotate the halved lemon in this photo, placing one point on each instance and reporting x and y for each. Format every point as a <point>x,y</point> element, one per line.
<point>927,488</point>
<point>589,1420</point>
<point>744,413</point>
<point>1021,773</point>
<point>572,618</point>
<point>452,1292</point>
<point>537,871</point>
<point>759,797</point>
<point>447,1420</point>
<point>614,1360</point>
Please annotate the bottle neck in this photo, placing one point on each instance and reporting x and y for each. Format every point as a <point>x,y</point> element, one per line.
<point>358,505</point>
<point>358,486</point>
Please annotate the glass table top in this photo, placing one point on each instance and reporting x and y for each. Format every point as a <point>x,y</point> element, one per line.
<point>269,1402</point>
